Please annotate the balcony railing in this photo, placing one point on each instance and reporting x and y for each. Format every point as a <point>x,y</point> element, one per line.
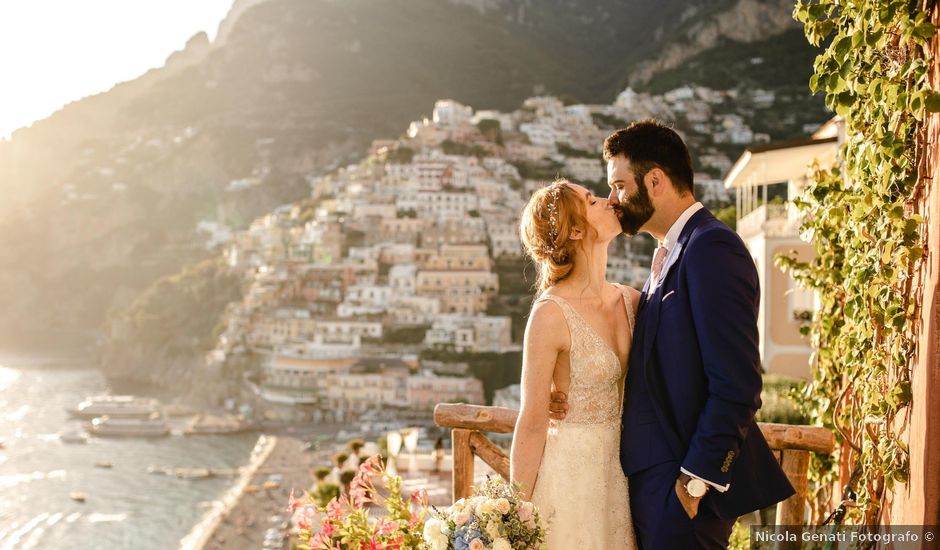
<point>770,219</point>
<point>469,423</point>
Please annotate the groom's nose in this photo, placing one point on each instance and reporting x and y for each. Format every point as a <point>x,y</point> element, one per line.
<point>613,199</point>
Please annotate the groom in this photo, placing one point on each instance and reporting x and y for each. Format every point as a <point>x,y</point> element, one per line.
<point>695,457</point>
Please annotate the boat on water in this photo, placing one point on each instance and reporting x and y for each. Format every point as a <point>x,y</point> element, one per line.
<point>114,406</point>
<point>207,424</point>
<point>77,437</point>
<point>105,426</point>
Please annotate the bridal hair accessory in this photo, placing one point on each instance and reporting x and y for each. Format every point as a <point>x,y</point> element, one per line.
<point>553,217</point>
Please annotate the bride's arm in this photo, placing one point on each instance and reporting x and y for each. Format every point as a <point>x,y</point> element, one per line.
<point>546,336</point>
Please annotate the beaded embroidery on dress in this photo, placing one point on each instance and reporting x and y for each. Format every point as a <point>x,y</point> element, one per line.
<point>580,488</point>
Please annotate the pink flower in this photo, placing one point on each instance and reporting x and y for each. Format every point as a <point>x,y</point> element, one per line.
<point>387,527</point>
<point>328,529</point>
<point>317,541</point>
<point>292,503</point>
<point>334,510</point>
<point>420,498</point>
<point>476,544</point>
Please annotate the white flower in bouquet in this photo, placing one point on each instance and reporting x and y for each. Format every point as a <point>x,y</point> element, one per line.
<point>492,529</point>
<point>434,534</point>
<point>462,517</point>
<point>501,544</point>
<point>503,505</point>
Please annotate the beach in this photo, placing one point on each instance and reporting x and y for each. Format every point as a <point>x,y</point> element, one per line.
<point>242,517</point>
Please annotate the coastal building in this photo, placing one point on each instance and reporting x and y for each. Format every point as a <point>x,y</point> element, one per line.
<point>766,177</point>
<point>454,231</point>
<point>445,204</point>
<point>504,240</point>
<point>424,391</point>
<point>459,257</point>
<point>584,169</point>
<point>370,384</point>
<point>509,397</point>
<point>448,112</point>
<point>471,334</point>
<point>298,380</point>
<point>459,291</point>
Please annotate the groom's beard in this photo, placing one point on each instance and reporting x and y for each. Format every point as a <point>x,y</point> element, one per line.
<point>635,211</point>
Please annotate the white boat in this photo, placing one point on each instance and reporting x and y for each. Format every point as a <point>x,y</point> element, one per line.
<point>73,436</point>
<point>106,426</point>
<point>114,406</point>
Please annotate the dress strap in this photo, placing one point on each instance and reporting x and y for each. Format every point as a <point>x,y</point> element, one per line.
<point>562,303</point>
<point>628,304</point>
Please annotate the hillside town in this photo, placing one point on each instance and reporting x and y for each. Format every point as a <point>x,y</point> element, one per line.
<point>374,291</point>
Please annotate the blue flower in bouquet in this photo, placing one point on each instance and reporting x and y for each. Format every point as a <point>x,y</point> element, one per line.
<point>464,537</point>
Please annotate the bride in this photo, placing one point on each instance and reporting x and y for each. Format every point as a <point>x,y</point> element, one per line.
<point>577,341</point>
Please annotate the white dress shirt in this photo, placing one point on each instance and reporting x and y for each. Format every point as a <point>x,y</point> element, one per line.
<point>672,236</point>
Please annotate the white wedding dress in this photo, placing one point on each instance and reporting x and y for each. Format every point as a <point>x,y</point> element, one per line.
<point>580,489</point>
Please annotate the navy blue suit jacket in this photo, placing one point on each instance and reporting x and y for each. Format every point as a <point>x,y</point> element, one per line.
<point>695,373</point>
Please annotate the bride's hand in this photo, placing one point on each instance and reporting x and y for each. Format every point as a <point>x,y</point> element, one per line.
<point>558,406</point>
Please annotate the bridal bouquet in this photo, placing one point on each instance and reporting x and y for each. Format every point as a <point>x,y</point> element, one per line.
<point>494,518</point>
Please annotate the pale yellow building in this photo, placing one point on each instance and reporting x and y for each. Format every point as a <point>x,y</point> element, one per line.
<point>766,177</point>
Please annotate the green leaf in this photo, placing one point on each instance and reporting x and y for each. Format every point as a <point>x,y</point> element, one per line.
<point>924,31</point>
<point>932,102</point>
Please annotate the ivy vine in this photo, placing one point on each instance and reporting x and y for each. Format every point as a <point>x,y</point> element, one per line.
<point>861,217</point>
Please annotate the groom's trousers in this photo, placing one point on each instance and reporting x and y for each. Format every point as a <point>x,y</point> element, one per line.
<point>661,522</point>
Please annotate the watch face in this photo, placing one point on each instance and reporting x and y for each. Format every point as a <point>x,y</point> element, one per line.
<point>696,488</point>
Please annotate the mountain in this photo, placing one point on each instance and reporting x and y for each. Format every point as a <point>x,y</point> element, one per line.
<point>105,196</point>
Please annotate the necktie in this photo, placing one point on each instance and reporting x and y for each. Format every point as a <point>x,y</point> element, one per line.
<point>658,260</point>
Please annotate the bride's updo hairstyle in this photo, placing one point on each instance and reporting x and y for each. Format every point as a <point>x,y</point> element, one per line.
<point>548,220</point>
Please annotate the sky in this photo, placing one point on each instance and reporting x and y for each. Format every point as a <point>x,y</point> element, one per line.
<point>53,52</point>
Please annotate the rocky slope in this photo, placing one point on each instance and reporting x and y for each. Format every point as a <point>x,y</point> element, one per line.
<point>103,198</point>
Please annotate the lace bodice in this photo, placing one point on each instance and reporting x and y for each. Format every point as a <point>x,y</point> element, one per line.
<point>595,394</point>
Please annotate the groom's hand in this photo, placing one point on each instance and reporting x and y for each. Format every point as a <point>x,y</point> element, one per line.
<point>558,406</point>
<point>688,502</point>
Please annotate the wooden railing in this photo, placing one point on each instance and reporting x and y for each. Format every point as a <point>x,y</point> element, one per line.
<point>792,444</point>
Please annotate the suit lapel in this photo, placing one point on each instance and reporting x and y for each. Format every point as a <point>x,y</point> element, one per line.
<point>651,306</point>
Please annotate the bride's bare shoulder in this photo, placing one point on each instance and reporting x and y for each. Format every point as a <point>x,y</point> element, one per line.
<point>547,320</point>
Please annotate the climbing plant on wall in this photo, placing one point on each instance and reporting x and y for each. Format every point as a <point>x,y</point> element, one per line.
<point>861,217</point>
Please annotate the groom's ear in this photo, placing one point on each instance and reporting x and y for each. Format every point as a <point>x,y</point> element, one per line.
<point>655,179</point>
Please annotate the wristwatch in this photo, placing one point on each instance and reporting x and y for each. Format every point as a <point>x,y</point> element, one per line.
<point>695,486</point>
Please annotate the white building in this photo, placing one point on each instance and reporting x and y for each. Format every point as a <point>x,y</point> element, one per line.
<point>509,397</point>
<point>427,389</point>
<point>445,204</point>
<point>476,334</point>
<point>584,169</point>
<point>449,113</point>
<point>504,240</point>
<point>769,228</point>
<point>402,278</point>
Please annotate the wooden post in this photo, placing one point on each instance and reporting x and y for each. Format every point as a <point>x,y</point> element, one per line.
<point>463,463</point>
<point>492,455</point>
<point>795,464</point>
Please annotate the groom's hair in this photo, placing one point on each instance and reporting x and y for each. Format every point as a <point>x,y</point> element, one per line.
<point>649,144</point>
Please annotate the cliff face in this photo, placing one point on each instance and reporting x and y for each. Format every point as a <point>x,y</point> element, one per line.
<point>104,197</point>
<point>741,21</point>
<point>163,336</point>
